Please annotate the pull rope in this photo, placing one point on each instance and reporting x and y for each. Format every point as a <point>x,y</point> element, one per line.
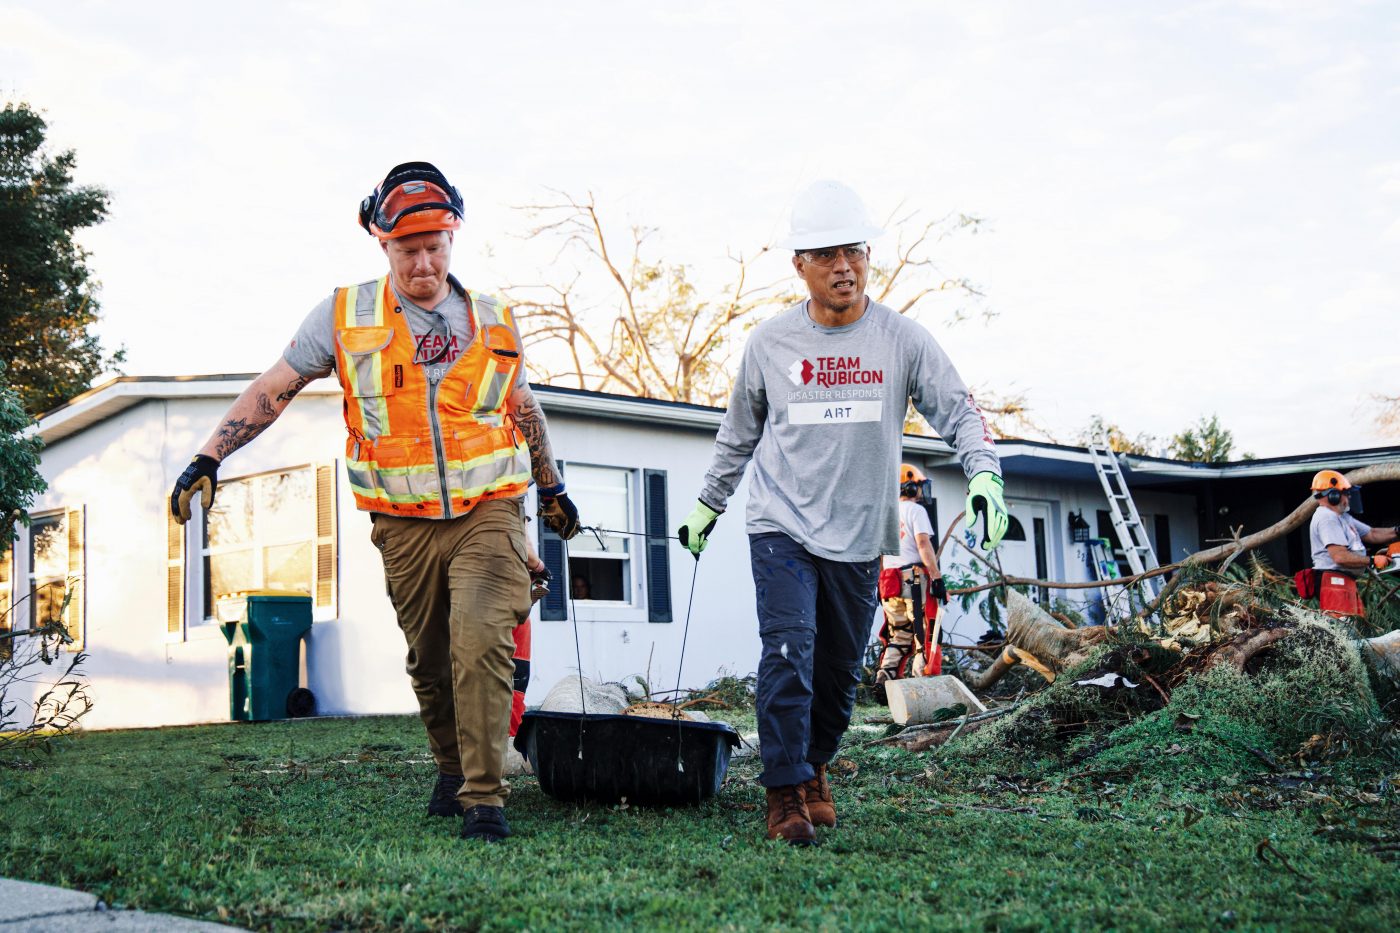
<point>578,656</point>
<point>685,634</point>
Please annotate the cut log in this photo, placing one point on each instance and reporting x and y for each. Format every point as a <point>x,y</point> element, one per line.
<point>1034,638</point>
<point>914,700</point>
<point>1383,654</point>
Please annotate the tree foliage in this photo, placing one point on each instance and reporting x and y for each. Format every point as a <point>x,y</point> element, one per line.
<point>1142,445</point>
<point>621,319</point>
<point>1206,441</point>
<point>20,481</point>
<point>48,300</point>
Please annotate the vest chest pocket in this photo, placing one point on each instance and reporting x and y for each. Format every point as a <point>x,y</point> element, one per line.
<point>364,348</point>
<point>498,375</point>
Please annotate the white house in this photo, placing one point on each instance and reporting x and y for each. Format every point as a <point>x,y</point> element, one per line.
<point>145,589</point>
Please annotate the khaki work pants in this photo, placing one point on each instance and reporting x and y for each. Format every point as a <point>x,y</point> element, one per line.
<point>904,651</point>
<point>459,587</point>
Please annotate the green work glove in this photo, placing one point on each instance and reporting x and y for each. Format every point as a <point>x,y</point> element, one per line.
<point>984,497</point>
<point>695,533</point>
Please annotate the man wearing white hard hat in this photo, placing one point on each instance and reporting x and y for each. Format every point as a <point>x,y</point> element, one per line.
<point>818,408</point>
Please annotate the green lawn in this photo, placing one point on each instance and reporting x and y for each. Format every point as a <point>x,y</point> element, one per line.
<point>320,824</point>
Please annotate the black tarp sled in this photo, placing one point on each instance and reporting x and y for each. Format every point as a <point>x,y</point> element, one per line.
<point>609,759</point>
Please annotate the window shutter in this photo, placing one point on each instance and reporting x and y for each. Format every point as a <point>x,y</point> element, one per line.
<point>555,606</point>
<point>325,539</point>
<point>6,600</point>
<point>77,580</point>
<point>174,578</point>
<point>658,547</point>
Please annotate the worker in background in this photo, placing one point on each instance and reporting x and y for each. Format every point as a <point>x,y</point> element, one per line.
<point>1339,543</point>
<point>911,586</point>
<point>444,438</point>
<point>818,408</point>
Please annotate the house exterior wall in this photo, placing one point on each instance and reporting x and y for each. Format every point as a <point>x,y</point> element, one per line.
<point>1065,560</point>
<point>120,470</point>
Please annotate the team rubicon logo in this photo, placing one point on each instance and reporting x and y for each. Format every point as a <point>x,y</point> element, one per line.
<point>800,373</point>
<point>828,371</point>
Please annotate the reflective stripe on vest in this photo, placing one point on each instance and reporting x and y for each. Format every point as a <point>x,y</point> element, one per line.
<point>391,456</point>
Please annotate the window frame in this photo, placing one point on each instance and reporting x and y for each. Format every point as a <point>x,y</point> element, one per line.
<point>634,574</point>
<point>73,525</point>
<point>198,624</point>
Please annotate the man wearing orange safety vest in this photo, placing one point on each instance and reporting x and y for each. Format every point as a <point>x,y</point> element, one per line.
<point>1339,542</point>
<point>444,438</point>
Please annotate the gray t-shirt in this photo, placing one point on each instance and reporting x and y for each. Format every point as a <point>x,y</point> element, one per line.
<point>820,412</point>
<point>440,334</point>
<point>1330,528</point>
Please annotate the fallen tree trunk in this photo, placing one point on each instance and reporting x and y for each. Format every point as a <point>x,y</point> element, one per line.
<point>1212,555</point>
<point>1238,651</point>
<point>1371,474</point>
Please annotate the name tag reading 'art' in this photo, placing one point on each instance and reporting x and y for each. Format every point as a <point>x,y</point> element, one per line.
<point>834,412</point>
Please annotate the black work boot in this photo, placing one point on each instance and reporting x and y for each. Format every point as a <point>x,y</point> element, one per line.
<point>484,821</point>
<point>444,800</point>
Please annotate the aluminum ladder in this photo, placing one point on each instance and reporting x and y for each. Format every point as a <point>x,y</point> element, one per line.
<point>1127,523</point>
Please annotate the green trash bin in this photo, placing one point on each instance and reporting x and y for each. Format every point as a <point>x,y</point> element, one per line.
<point>264,629</point>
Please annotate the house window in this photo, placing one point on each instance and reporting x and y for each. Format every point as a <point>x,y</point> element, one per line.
<point>602,566</point>
<point>628,574</point>
<point>273,531</point>
<point>56,572</point>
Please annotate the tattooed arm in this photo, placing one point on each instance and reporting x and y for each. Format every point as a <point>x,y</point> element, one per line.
<point>255,409</point>
<point>529,418</point>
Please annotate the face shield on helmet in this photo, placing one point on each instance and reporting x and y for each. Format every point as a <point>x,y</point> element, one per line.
<point>414,198</point>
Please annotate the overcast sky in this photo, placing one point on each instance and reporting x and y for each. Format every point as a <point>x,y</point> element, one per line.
<point>1190,208</point>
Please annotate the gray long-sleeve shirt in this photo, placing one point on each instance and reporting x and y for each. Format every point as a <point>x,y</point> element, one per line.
<point>820,412</point>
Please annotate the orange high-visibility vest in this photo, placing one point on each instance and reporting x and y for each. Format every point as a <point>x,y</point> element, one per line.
<point>411,452</point>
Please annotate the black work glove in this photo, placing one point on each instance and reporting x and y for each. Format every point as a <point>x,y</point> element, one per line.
<point>201,476</point>
<point>938,590</point>
<point>558,512</point>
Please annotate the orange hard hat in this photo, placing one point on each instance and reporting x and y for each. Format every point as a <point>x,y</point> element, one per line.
<point>908,473</point>
<point>413,198</point>
<point>1327,480</point>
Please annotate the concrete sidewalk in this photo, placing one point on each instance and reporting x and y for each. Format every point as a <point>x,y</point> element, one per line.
<point>43,909</point>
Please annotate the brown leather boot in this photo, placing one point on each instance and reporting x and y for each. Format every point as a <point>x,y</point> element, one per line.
<point>787,816</point>
<point>817,794</point>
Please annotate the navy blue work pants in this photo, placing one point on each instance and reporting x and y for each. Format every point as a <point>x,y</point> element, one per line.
<point>814,619</point>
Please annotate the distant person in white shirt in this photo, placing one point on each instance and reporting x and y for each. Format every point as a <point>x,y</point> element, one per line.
<point>1339,543</point>
<point>907,581</point>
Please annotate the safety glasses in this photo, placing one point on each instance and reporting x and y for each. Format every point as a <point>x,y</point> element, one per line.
<point>853,253</point>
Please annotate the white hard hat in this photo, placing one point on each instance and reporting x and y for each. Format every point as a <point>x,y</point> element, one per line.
<point>828,213</point>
